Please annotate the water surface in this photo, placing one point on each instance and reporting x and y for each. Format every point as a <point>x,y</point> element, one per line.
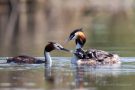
<point>64,76</point>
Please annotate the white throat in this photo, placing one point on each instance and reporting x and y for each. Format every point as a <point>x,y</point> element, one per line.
<point>48,59</point>
<point>78,46</point>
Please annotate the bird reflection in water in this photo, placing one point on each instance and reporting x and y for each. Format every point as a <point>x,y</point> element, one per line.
<point>48,73</point>
<point>79,76</point>
<point>93,76</point>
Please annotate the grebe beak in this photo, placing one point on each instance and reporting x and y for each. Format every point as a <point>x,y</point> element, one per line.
<point>64,49</point>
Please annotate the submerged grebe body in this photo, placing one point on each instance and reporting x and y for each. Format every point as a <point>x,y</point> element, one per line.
<point>31,60</point>
<point>91,56</point>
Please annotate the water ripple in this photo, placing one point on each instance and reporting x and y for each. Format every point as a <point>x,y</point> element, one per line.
<point>63,63</point>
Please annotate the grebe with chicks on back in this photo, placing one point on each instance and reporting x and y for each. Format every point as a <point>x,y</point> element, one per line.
<point>90,56</point>
<point>23,59</point>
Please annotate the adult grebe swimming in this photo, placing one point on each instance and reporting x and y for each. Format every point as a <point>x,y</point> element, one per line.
<point>91,56</point>
<point>31,60</point>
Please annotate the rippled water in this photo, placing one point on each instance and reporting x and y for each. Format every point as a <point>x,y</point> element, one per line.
<point>64,76</point>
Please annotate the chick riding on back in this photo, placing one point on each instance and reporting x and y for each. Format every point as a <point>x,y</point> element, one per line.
<point>90,56</point>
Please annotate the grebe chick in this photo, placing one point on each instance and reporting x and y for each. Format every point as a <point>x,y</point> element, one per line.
<point>94,55</point>
<point>23,59</point>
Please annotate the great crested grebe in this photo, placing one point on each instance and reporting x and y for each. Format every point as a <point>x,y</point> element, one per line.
<point>31,60</point>
<point>91,56</point>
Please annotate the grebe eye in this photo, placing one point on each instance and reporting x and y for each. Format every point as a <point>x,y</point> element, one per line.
<point>58,46</point>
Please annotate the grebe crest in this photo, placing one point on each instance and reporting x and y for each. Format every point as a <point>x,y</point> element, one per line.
<point>79,37</point>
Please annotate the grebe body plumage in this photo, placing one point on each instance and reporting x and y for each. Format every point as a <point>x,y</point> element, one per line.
<point>95,57</point>
<point>25,60</point>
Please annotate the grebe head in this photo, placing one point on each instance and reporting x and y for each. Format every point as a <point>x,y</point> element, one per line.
<point>54,46</point>
<point>50,47</point>
<point>79,37</point>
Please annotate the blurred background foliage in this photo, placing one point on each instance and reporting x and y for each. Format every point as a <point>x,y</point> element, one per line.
<point>27,25</point>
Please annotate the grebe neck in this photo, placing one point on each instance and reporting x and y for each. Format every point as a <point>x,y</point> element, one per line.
<point>74,59</point>
<point>78,46</point>
<point>48,59</point>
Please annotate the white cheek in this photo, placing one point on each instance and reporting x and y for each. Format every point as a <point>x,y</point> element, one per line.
<point>74,37</point>
<point>56,47</point>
